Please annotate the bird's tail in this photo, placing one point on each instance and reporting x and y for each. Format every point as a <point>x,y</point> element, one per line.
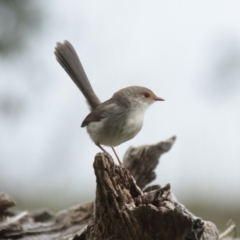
<point>68,59</point>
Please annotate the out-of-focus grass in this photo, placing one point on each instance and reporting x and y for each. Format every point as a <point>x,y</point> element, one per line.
<point>52,205</point>
<point>216,214</point>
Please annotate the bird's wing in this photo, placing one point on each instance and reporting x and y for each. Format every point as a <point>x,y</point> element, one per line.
<point>102,111</point>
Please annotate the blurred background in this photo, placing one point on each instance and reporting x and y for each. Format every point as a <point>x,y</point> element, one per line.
<point>187,52</point>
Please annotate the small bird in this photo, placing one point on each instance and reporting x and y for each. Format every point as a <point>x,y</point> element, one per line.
<point>116,120</point>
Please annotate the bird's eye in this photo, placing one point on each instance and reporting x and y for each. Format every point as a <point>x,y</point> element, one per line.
<point>146,95</point>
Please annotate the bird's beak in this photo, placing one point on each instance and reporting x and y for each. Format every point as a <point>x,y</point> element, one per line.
<point>158,99</point>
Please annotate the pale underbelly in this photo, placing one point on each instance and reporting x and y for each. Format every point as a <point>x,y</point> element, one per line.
<point>114,134</point>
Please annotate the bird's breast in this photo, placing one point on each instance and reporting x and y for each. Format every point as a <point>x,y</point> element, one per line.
<point>114,130</point>
<point>133,123</point>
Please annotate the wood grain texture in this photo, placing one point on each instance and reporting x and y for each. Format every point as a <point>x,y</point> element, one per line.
<point>124,208</point>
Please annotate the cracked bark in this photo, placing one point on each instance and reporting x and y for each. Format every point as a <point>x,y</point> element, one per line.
<point>123,209</point>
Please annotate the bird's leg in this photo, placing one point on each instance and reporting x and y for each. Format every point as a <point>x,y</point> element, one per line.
<point>101,147</point>
<point>106,152</point>
<point>120,163</point>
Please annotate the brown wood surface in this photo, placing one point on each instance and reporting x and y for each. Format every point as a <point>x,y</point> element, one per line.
<point>124,207</point>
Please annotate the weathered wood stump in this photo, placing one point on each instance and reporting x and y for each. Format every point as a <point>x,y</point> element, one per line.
<point>124,207</point>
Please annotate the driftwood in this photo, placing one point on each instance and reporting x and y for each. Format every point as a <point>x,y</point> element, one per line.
<point>124,207</point>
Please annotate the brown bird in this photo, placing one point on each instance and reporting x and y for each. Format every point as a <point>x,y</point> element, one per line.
<point>116,120</point>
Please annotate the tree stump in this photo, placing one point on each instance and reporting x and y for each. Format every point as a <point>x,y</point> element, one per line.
<point>124,207</point>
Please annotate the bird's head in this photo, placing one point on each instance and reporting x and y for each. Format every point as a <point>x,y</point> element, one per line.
<point>136,96</point>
